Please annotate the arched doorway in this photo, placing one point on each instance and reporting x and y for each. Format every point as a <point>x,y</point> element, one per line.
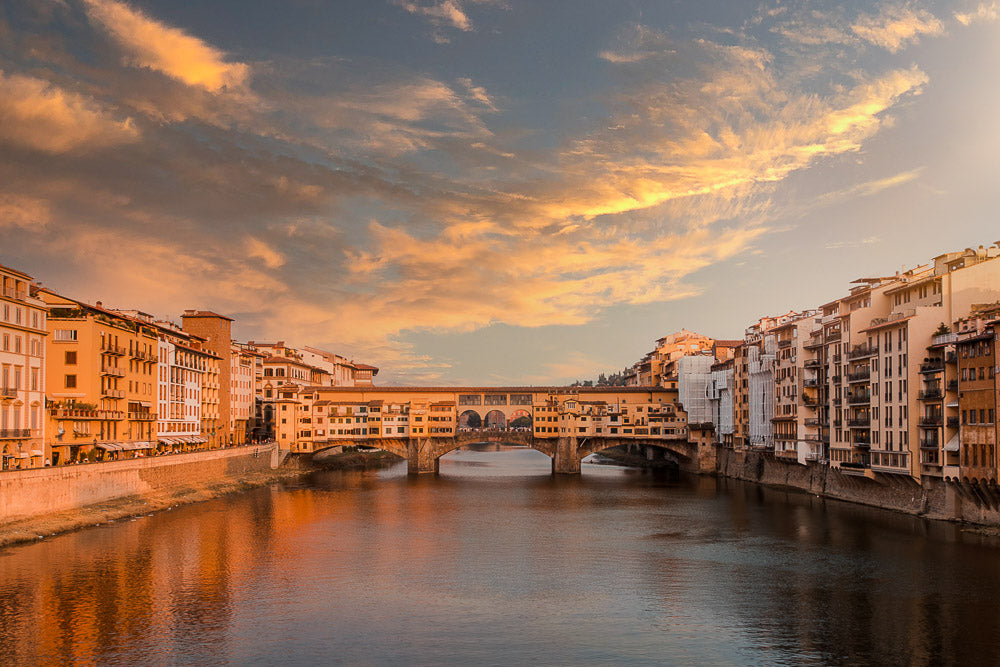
<point>470,419</point>
<point>496,420</point>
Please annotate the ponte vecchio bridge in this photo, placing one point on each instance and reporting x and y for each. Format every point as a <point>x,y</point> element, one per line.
<point>422,424</point>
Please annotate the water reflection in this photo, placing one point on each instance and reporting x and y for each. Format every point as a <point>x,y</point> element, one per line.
<point>495,560</point>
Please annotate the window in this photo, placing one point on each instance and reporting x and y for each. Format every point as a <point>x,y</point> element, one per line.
<point>64,335</point>
<point>70,381</point>
<point>70,357</point>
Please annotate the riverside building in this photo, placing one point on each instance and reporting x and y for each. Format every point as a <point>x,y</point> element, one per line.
<point>23,334</point>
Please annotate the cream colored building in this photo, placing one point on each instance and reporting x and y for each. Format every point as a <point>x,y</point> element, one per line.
<point>22,373</point>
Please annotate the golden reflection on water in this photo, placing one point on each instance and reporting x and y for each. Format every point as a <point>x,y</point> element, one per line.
<point>496,559</point>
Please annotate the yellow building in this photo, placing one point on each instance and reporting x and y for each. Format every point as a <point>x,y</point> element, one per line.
<point>22,372</point>
<point>101,375</point>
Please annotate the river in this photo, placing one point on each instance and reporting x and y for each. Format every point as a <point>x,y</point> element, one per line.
<point>494,561</point>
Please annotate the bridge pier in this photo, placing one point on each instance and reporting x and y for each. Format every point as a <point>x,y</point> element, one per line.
<point>422,455</point>
<point>566,458</point>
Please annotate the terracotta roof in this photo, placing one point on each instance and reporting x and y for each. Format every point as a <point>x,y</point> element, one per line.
<point>205,313</point>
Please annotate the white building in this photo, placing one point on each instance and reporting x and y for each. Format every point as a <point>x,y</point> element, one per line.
<point>693,375</point>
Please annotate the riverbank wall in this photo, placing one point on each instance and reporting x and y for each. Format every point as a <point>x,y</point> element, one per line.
<point>933,498</point>
<point>45,501</point>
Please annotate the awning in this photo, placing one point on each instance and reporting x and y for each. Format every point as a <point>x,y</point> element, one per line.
<point>36,452</point>
<point>198,440</point>
<point>109,446</point>
<point>167,441</point>
<point>143,445</point>
<point>22,455</point>
<point>952,445</point>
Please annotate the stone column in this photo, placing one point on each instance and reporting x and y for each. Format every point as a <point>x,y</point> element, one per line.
<point>566,460</point>
<point>421,457</point>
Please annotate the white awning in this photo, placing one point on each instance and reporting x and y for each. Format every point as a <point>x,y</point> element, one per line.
<point>109,446</point>
<point>952,445</point>
<point>36,452</point>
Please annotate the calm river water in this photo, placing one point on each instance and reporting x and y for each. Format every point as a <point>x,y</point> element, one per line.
<point>497,562</point>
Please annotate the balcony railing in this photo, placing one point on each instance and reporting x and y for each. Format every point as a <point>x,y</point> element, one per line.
<point>812,421</point>
<point>142,416</point>
<point>113,371</point>
<point>930,420</point>
<point>832,336</point>
<point>813,363</point>
<point>108,348</point>
<point>862,351</point>
<point>810,383</point>
<point>784,343</point>
<point>929,443</point>
<point>859,423</point>
<point>932,366</point>
<point>952,422</point>
<point>864,442</point>
<point>8,392</point>
<point>77,413</point>
<point>930,395</point>
<point>8,433</point>
<point>859,376</point>
<point>951,358</point>
<point>113,393</point>
<point>859,398</point>
<point>952,385</point>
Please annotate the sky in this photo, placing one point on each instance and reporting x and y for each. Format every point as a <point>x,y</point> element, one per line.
<point>491,192</point>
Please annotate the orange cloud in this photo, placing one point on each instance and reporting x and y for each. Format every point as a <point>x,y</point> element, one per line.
<point>39,115</point>
<point>149,43</point>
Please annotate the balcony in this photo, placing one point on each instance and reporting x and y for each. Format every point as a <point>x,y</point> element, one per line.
<point>930,420</point>
<point>859,423</point>
<point>859,376</point>
<point>862,352</point>
<point>952,422</point>
<point>10,433</point>
<point>8,392</point>
<point>113,371</point>
<point>78,413</point>
<point>813,344</point>
<point>812,421</point>
<point>810,401</point>
<point>813,363</point>
<point>836,379</point>
<point>859,398</point>
<point>113,393</point>
<point>832,336</point>
<point>864,442</point>
<point>784,343</point>
<point>891,462</point>
<point>929,443</point>
<point>952,385</point>
<point>951,358</point>
<point>811,383</point>
<point>930,395</point>
<point>142,416</point>
<point>108,348</point>
<point>932,366</point>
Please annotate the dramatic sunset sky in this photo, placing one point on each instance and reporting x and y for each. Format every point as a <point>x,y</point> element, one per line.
<point>491,191</point>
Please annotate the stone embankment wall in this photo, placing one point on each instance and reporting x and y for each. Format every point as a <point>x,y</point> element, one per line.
<point>935,499</point>
<point>41,491</point>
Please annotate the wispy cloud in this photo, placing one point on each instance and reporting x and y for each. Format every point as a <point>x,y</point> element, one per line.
<point>984,12</point>
<point>897,26</point>
<point>149,43</point>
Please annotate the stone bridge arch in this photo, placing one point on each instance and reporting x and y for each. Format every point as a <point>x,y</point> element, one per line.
<point>476,436</point>
<point>470,418</point>
<point>683,451</point>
